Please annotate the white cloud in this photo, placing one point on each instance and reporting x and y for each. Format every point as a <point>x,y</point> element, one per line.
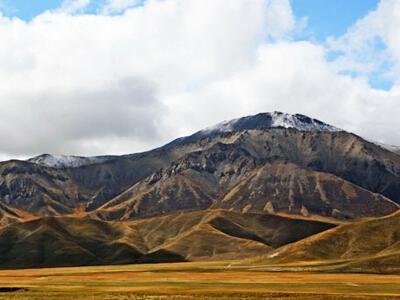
<point>372,45</point>
<point>294,77</point>
<point>61,72</point>
<point>94,84</point>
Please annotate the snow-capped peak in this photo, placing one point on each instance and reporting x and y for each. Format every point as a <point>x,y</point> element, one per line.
<point>271,120</point>
<point>262,121</point>
<point>67,161</point>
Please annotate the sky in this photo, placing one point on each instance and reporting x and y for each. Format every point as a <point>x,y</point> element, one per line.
<point>89,77</point>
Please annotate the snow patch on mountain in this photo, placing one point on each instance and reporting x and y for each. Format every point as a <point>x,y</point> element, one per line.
<point>271,120</point>
<point>262,121</point>
<point>67,161</point>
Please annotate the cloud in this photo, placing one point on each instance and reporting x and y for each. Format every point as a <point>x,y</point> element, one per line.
<point>82,120</point>
<point>372,45</point>
<point>121,83</point>
<point>294,77</point>
<point>62,72</point>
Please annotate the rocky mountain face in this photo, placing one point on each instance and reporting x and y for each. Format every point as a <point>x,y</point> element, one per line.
<point>238,176</point>
<point>270,162</point>
<point>42,191</point>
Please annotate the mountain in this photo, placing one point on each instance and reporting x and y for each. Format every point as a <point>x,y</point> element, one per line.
<point>205,235</point>
<point>261,121</point>
<point>228,176</point>
<point>334,174</point>
<point>269,162</point>
<point>39,190</point>
<point>240,189</point>
<point>366,246</point>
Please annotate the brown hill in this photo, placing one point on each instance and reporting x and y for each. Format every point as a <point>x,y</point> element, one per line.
<point>371,245</point>
<point>63,241</point>
<point>219,234</point>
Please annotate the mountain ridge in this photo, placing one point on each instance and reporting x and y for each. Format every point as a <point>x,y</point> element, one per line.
<point>261,121</point>
<point>213,159</point>
<point>266,120</point>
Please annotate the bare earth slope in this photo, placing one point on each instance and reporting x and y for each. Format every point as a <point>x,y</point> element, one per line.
<point>221,162</point>
<point>206,235</point>
<point>219,234</point>
<point>366,246</point>
<point>234,176</point>
<point>39,190</point>
<point>285,187</point>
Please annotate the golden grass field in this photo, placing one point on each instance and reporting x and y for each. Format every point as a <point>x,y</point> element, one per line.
<point>206,280</point>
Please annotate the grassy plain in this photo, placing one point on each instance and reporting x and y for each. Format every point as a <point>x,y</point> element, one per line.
<point>206,280</point>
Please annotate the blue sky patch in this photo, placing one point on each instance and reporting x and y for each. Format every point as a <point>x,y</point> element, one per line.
<point>331,17</point>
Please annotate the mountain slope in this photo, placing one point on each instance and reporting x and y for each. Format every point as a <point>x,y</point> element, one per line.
<point>219,234</point>
<point>241,177</point>
<point>191,183</point>
<point>367,246</point>
<point>65,242</point>
<point>285,187</point>
<point>205,235</point>
<point>39,190</point>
